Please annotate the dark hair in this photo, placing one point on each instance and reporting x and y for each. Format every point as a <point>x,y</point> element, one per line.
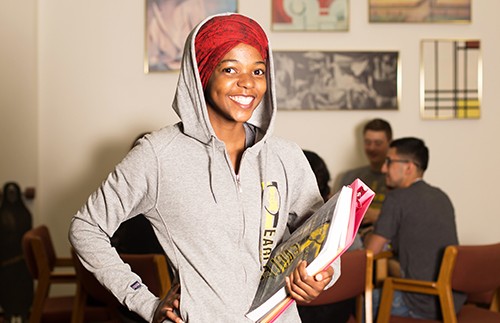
<point>319,168</point>
<point>414,148</point>
<point>379,125</point>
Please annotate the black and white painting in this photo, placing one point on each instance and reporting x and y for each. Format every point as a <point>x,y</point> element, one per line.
<point>337,80</point>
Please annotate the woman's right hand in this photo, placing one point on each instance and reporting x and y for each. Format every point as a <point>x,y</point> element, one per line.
<point>169,306</point>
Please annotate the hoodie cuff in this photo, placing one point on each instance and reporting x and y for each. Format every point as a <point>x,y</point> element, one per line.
<point>144,303</point>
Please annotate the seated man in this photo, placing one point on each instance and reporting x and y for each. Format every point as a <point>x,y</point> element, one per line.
<point>418,221</point>
<point>377,134</point>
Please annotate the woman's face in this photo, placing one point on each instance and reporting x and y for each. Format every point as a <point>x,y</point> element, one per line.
<point>236,86</point>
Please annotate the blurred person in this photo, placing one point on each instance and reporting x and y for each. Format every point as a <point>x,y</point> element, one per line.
<point>16,295</point>
<point>321,172</point>
<point>377,134</point>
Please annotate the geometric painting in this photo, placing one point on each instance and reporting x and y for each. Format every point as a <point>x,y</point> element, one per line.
<point>451,72</point>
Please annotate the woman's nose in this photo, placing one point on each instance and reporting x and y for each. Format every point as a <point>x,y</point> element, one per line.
<point>246,80</point>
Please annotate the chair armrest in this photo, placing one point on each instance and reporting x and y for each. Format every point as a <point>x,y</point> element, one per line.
<point>413,285</point>
<point>64,271</point>
<point>381,267</point>
<point>383,255</point>
<point>64,262</point>
<point>62,277</point>
<point>407,285</point>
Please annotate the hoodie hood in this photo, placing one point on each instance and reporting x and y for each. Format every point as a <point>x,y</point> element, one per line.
<point>189,100</point>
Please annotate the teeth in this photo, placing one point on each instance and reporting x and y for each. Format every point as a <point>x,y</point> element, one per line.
<point>242,99</point>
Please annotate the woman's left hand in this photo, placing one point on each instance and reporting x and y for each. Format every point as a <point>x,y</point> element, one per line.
<point>305,288</point>
<point>168,307</point>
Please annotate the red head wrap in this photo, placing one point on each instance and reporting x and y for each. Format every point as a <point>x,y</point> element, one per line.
<point>221,34</point>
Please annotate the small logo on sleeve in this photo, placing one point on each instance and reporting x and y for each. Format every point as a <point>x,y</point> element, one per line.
<point>136,285</point>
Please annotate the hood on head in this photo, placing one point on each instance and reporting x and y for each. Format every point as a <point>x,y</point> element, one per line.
<point>189,100</point>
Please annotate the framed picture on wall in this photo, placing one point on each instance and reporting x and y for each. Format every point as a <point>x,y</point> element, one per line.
<point>168,23</point>
<point>310,15</point>
<point>420,11</point>
<point>337,80</point>
<point>450,79</point>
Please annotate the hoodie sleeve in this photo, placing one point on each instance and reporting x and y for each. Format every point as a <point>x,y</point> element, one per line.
<point>129,190</point>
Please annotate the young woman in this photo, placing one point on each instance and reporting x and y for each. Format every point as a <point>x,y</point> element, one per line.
<point>218,188</point>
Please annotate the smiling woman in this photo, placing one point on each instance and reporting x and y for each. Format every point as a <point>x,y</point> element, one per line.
<point>202,182</point>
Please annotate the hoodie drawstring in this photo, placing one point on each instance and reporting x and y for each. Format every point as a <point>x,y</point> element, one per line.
<point>211,165</point>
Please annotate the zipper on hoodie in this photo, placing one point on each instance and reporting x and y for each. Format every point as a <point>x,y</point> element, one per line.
<point>238,183</point>
<point>237,176</point>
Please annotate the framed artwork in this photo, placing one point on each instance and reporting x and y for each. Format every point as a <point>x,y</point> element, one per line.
<point>450,79</point>
<point>168,23</point>
<point>337,80</point>
<point>420,11</point>
<point>310,15</point>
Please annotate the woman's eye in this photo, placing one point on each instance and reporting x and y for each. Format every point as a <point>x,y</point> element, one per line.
<point>259,72</point>
<point>228,70</point>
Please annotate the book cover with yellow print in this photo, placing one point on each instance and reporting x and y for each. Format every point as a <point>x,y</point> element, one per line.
<point>322,238</point>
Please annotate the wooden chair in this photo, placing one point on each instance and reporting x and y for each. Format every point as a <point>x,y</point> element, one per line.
<point>474,270</point>
<point>355,282</point>
<point>45,267</point>
<point>152,268</point>
<point>381,267</point>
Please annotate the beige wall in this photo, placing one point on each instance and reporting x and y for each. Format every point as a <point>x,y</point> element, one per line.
<point>74,116</point>
<point>18,93</point>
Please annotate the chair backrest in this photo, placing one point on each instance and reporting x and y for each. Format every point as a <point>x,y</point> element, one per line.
<point>39,251</point>
<point>477,271</point>
<point>352,281</point>
<point>42,262</point>
<point>477,268</point>
<point>355,281</point>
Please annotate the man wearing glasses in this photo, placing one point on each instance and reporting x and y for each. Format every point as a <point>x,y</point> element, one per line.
<point>418,220</point>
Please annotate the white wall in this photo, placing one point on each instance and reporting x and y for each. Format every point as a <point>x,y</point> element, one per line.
<point>94,98</point>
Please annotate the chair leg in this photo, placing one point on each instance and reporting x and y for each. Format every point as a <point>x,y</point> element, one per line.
<point>42,291</point>
<point>495,303</point>
<point>381,271</point>
<point>368,306</point>
<point>447,305</point>
<point>78,314</point>
<point>359,309</point>
<point>384,309</point>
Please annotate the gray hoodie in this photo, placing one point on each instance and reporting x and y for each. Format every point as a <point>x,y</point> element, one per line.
<point>217,228</point>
